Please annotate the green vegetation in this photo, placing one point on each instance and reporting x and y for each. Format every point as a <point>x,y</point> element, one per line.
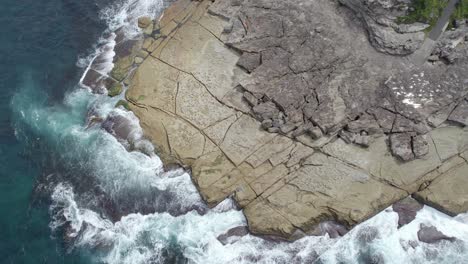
<point>429,11</point>
<point>462,10</point>
<point>425,11</point>
<point>115,90</point>
<point>123,103</point>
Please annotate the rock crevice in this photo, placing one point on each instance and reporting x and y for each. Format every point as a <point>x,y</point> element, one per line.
<point>298,121</point>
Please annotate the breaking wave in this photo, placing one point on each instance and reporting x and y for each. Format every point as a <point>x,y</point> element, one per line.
<point>111,197</point>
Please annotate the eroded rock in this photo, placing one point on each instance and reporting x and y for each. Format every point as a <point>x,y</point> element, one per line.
<point>238,231</point>
<point>430,235</point>
<point>407,210</point>
<point>253,95</point>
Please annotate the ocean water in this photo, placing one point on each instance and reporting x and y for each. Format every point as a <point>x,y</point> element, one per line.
<point>71,192</point>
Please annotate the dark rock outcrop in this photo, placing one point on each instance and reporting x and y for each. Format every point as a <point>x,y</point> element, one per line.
<point>407,210</point>
<point>238,231</point>
<point>431,235</point>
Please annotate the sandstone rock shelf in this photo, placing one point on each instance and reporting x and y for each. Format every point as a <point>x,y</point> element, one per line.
<point>294,113</point>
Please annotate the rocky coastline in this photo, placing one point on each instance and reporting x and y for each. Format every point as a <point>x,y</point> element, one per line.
<point>312,118</point>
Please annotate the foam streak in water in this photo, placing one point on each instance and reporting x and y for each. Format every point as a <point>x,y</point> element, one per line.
<point>160,215</point>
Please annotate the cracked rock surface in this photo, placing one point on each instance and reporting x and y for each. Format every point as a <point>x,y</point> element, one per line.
<point>287,107</point>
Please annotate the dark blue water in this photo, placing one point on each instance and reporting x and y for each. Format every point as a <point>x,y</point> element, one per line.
<point>110,205</point>
<point>40,42</point>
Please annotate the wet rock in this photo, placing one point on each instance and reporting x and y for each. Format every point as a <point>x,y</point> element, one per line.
<point>430,235</point>
<point>97,82</point>
<point>238,231</point>
<point>115,89</point>
<point>93,120</point>
<point>120,126</point>
<point>144,22</point>
<point>333,229</point>
<point>367,235</point>
<point>125,53</point>
<point>311,257</point>
<point>406,210</point>
<point>368,257</point>
<point>122,103</point>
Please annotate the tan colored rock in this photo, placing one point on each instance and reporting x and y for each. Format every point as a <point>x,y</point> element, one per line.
<point>244,194</point>
<point>283,156</point>
<point>190,104</point>
<point>269,150</point>
<point>299,153</point>
<point>222,188</point>
<point>147,43</point>
<point>464,155</point>
<point>379,162</point>
<point>451,163</point>
<point>196,105</point>
<point>173,10</point>
<point>235,99</point>
<point>194,49</point>
<point>343,189</point>
<point>243,138</point>
<point>448,192</point>
<point>138,60</point>
<point>171,133</point>
<point>149,29</point>
<point>326,190</point>
<point>209,168</point>
<point>168,29</point>
<point>261,184</point>
<point>450,141</point>
<point>144,22</point>
<point>251,173</point>
<point>274,224</point>
<point>160,94</point>
<point>216,132</point>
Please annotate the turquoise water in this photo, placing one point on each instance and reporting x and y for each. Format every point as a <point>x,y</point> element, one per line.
<point>39,45</point>
<point>71,192</point>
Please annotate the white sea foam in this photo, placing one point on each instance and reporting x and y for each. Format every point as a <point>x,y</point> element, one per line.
<point>393,245</point>
<point>124,14</point>
<point>138,238</point>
